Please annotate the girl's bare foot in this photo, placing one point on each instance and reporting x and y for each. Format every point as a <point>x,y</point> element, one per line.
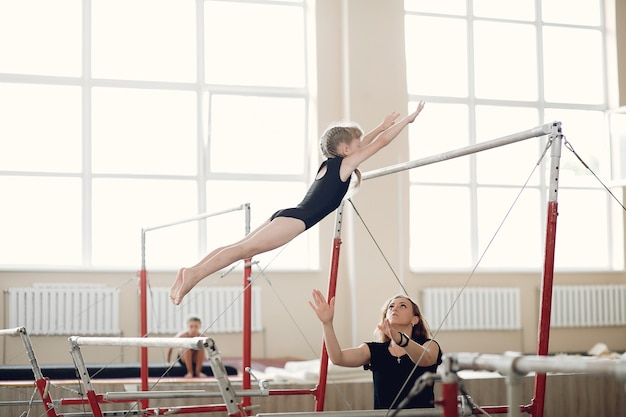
<point>177,283</point>
<point>187,282</point>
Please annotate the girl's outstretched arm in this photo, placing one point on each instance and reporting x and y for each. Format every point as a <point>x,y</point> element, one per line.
<point>387,122</point>
<point>353,160</point>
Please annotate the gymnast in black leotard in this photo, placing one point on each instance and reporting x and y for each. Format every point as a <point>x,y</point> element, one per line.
<point>345,147</point>
<point>323,197</point>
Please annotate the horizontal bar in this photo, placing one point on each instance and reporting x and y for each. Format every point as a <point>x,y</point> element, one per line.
<point>159,411</point>
<point>541,364</point>
<point>140,395</point>
<point>191,219</point>
<point>196,343</point>
<point>20,403</point>
<point>122,413</point>
<point>593,366</point>
<point>12,332</point>
<point>505,140</point>
<point>413,412</point>
<point>294,391</point>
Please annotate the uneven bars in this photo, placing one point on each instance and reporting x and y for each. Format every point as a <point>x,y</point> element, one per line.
<point>198,217</point>
<point>196,343</point>
<point>494,143</point>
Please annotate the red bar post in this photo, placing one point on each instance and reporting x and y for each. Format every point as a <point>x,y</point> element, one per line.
<point>143,309</point>
<point>332,287</point>
<point>547,281</point>
<point>42,387</point>
<point>247,331</point>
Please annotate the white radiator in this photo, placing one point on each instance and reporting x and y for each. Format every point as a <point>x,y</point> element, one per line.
<point>588,305</point>
<point>219,308</point>
<point>478,308</point>
<point>65,309</point>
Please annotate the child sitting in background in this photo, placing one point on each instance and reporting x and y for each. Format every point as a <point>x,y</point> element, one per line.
<point>191,359</point>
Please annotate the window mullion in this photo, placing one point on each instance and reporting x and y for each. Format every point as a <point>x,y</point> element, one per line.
<point>87,174</point>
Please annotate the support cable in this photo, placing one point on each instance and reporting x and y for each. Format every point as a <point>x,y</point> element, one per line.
<point>569,146</point>
<point>378,246</point>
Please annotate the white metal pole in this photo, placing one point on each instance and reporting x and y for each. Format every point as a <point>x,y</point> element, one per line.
<point>196,343</point>
<point>494,143</point>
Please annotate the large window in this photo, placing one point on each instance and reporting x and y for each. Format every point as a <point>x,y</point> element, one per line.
<point>488,69</point>
<point>120,115</point>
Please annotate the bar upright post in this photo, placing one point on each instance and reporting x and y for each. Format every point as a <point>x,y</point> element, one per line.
<point>543,337</point>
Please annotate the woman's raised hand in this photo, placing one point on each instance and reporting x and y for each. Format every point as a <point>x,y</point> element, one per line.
<point>388,329</point>
<point>324,310</point>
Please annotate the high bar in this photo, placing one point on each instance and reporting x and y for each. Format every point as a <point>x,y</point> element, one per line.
<point>494,143</point>
<point>198,217</point>
<point>12,332</point>
<point>196,343</point>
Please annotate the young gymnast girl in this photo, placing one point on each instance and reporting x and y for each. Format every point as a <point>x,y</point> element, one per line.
<point>345,148</point>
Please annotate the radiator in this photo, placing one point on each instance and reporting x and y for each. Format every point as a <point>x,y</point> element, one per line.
<point>65,309</point>
<point>588,305</point>
<point>478,308</point>
<point>219,308</point>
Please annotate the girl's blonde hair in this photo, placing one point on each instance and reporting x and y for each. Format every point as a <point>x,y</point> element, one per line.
<point>420,331</point>
<point>337,135</point>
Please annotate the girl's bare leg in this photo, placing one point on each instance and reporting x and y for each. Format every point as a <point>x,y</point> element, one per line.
<point>187,358</point>
<point>269,236</point>
<point>179,277</point>
<point>198,359</point>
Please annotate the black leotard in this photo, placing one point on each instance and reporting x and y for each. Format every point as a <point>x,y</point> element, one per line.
<point>323,197</point>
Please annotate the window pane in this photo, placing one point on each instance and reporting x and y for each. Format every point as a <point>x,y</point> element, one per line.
<point>440,227</point>
<point>505,61</point>
<point>144,131</point>
<point>265,198</point>
<point>428,138</point>
<point>263,135</point>
<point>505,9</point>
<point>584,130</point>
<point>617,126</point>
<point>41,37</point>
<point>582,229</point>
<point>509,228</point>
<point>41,128</point>
<point>574,70</point>
<point>513,163</point>
<point>436,68</point>
<point>122,207</point>
<point>144,39</point>
<point>448,6</point>
<point>581,12</point>
<point>41,221</point>
<point>254,44</point>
